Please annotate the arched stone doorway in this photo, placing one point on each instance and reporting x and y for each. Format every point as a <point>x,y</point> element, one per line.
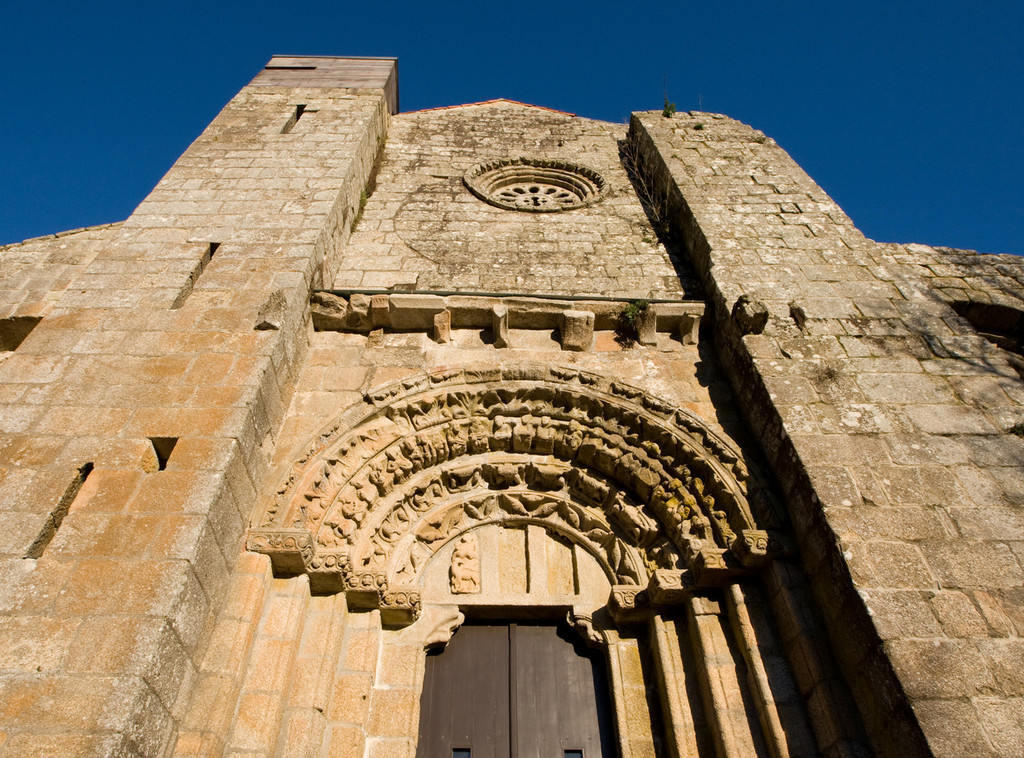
<point>516,492</point>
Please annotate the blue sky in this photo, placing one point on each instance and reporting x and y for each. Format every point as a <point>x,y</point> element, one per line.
<point>910,114</point>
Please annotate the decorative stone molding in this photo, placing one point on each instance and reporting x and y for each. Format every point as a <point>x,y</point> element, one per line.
<point>535,186</point>
<point>644,487</point>
<point>437,315</point>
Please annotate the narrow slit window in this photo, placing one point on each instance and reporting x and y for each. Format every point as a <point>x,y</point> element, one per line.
<point>15,329</point>
<point>294,118</point>
<point>163,447</point>
<point>460,752</point>
<point>572,754</point>
<point>193,277</point>
<point>53,522</point>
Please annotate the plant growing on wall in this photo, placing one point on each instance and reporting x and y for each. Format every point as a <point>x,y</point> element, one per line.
<point>629,321</point>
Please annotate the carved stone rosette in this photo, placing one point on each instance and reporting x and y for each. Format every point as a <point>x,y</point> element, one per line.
<point>658,498</point>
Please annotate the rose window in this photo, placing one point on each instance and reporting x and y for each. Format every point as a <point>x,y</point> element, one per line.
<point>536,186</point>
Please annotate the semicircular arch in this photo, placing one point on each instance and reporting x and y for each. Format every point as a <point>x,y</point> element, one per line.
<point>655,475</point>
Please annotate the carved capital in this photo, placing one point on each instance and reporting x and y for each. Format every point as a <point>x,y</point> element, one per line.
<point>671,586</point>
<point>751,548</point>
<point>399,606</point>
<point>629,603</point>
<point>714,567</point>
<point>328,571</point>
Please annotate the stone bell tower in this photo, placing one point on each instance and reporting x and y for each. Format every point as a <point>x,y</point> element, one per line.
<point>495,430</point>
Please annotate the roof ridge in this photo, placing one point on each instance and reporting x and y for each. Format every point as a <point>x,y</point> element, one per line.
<point>490,102</point>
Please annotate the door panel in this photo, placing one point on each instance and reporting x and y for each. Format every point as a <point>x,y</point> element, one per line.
<point>465,701</point>
<point>556,708</point>
<point>515,691</point>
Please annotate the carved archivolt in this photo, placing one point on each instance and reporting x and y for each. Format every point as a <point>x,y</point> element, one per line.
<point>661,500</point>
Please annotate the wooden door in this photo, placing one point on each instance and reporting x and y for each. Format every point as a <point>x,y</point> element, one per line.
<point>515,691</point>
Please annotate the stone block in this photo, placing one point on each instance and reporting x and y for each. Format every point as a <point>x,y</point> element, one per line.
<point>332,312</point>
<point>939,668</point>
<point>35,643</point>
<point>958,615</point>
<point>69,745</point>
<point>350,699</point>
<point>360,652</point>
<point>958,564</point>
<point>1005,659</point>
<point>898,564</point>
<point>269,665</point>
<point>257,722</point>
<point>303,733</point>
<point>345,741</point>
<point>206,712</point>
<point>392,711</point>
<point>645,325</point>
<point>198,745</point>
<point>442,333</point>
<point>380,311</point>
<point>414,312</point>
<point>689,326</point>
<point>577,331</point>
<point>470,312</point>
<point>996,610</point>
<point>953,728</point>
<point>533,313</point>
<point>1003,722</point>
<point>901,614</point>
<point>499,326</point>
<point>401,666</point>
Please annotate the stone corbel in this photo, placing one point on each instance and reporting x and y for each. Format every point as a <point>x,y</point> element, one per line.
<point>327,571</point>
<point>290,550</point>
<point>591,627</point>
<point>450,620</point>
<point>577,332</point>
<point>499,326</point>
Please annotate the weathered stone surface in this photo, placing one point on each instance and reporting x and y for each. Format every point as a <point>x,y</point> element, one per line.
<point>466,429</point>
<point>577,330</point>
<point>902,370</point>
<point>499,326</point>
<point>443,327</point>
<point>329,311</point>
<point>750,316</point>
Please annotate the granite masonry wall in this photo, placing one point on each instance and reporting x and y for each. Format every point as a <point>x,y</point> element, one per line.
<point>138,413</point>
<point>161,377</point>
<point>888,420</point>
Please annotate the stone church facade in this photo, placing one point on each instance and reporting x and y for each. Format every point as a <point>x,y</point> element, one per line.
<point>352,382</point>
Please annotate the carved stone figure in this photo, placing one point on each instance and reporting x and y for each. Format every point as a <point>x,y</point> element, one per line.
<point>464,575</point>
